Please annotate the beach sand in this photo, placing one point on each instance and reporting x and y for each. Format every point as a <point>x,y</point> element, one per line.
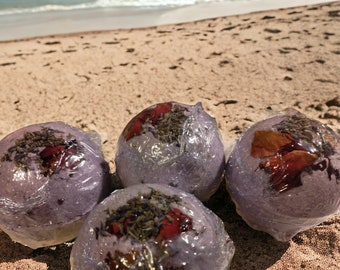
<point>242,68</point>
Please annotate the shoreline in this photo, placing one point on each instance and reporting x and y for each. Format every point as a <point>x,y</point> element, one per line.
<point>23,26</point>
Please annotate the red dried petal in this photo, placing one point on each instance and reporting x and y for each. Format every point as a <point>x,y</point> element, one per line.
<point>115,228</point>
<point>56,158</point>
<point>135,126</point>
<point>52,151</point>
<point>285,169</point>
<point>173,224</point>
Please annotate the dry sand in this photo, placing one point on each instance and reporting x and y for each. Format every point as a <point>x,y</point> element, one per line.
<point>242,68</point>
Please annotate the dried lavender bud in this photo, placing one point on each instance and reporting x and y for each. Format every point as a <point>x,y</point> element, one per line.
<point>284,175</point>
<point>152,226</point>
<point>174,144</point>
<point>51,177</point>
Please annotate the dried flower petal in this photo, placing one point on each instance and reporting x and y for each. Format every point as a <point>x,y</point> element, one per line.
<point>268,143</point>
<point>135,126</point>
<point>173,224</point>
<point>286,170</point>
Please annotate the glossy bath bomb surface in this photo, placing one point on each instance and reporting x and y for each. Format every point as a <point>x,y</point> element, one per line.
<point>152,226</point>
<point>51,177</point>
<point>174,144</point>
<point>283,175</point>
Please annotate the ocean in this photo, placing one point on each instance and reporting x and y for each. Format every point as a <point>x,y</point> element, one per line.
<point>8,7</point>
<point>33,18</point>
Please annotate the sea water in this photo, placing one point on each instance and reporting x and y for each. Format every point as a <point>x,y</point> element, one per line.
<point>30,18</point>
<point>8,7</point>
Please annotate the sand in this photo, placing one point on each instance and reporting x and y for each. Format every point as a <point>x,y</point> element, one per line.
<point>242,68</point>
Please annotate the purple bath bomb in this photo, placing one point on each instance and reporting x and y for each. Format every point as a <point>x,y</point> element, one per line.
<point>175,144</point>
<point>51,177</point>
<point>283,174</point>
<point>152,226</point>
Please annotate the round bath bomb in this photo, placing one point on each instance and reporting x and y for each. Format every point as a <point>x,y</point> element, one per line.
<point>152,226</point>
<point>284,174</point>
<point>51,177</point>
<point>175,144</point>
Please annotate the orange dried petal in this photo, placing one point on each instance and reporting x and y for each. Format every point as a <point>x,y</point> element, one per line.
<point>268,143</point>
